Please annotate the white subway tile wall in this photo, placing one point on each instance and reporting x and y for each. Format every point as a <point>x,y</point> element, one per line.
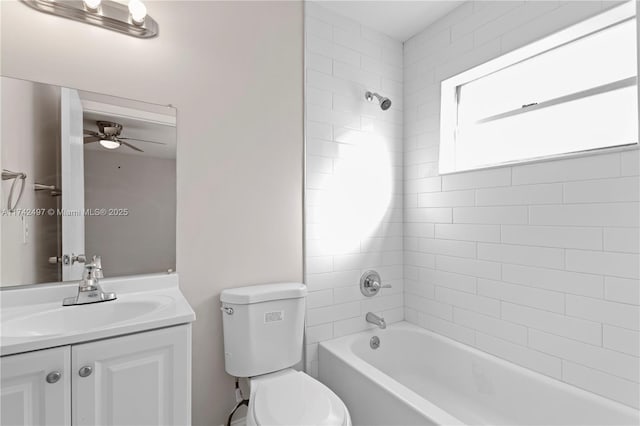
<point>537,264</point>
<point>354,176</point>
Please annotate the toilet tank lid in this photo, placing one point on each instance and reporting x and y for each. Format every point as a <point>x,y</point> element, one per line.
<point>263,293</point>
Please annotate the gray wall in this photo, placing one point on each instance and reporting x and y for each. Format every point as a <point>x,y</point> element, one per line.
<point>30,132</point>
<point>144,240</point>
<point>239,170</point>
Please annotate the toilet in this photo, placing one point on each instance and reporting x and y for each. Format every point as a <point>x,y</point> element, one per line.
<point>263,336</point>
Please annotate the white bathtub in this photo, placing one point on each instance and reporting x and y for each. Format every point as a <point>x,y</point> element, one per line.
<point>417,377</point>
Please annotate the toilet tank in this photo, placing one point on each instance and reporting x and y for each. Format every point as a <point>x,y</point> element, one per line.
<point>263,327</point>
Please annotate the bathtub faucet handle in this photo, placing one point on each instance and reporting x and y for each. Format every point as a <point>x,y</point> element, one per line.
<point>377,285</point>
<point>370,283</point>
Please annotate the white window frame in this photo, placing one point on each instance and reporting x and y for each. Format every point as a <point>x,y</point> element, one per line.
<point>451,87</point>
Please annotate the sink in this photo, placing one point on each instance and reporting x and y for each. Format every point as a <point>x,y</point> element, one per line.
<point>71,319</point>
<point>33,318</point>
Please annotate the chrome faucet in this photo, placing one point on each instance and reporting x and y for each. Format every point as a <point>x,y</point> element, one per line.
<point>89,290</point>
<point>370,283</point>
<point>374,319</point>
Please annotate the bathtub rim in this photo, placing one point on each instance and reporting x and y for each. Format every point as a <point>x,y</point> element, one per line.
<point>342,345</point>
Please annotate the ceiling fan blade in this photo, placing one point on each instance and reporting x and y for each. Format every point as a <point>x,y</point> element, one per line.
<point>92,133</point>
<point>131,146</point>
<point>142,140</point>
<point>90,139</point>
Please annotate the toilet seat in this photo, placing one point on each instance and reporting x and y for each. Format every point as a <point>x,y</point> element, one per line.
<point>290,397</point>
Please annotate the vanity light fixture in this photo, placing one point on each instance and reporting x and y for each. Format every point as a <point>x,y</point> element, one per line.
<point>138,11</point>
<point>131,19</point>
<point>92,5</point>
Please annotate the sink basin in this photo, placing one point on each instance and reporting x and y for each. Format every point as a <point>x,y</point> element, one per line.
<point>70,319</point>
<point>33,318</point>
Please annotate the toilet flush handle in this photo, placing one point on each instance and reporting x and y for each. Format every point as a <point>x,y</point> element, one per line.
<point>227,310</point>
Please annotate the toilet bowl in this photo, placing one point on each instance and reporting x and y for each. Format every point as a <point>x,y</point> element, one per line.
<point>263,328</point>
<point>294,398</point>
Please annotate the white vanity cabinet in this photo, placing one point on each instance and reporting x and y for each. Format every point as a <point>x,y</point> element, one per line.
<point>36,388</point>
<point>136,379</point>
<point>140,379</point>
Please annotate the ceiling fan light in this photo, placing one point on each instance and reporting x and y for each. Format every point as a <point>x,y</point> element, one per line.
<point>92,5</point>
<point>109,144</point>
<point>138,11</point>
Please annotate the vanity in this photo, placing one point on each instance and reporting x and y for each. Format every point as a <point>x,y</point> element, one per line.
<point>124,362</point>
<point>89,180</point>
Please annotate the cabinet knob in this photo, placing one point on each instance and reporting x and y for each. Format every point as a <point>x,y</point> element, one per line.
<point>53,377</point>
<point>85,371</point>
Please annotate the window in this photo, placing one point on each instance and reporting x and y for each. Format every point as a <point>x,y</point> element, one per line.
<point>571,92</point>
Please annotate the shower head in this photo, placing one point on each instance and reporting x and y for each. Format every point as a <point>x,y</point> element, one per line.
<point>385,103</point>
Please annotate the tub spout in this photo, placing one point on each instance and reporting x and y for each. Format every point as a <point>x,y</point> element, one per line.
<point>374,319</point>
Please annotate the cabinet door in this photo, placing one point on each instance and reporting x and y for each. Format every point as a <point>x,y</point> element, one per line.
<point>31,391</point>
<point>139,379</point>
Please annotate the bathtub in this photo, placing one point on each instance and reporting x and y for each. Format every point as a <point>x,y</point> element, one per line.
<point>417,377</point>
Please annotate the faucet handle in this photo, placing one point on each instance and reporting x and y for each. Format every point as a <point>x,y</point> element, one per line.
<point>97,263</point>
<point>89,270</point>
<point>93,271</point>
<point>370,283</point>
<point>377,285</point>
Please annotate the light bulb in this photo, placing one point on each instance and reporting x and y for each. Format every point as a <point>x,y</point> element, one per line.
<point>138,11</point>
<point>109,144</point>
<point>92,5</point>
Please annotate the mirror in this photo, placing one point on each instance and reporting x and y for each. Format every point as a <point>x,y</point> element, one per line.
<point>84,174</point>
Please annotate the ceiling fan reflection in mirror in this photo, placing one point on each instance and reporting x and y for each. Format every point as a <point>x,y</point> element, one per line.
<point>108,135</point>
